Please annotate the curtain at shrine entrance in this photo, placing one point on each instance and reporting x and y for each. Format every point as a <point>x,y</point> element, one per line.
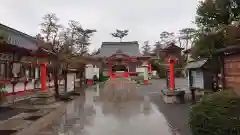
<point>120,67</point>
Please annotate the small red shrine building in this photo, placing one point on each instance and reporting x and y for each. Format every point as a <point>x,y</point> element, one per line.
<point>124,57</point>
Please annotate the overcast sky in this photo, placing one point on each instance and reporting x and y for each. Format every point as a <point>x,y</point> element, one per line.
<point>145,19</point>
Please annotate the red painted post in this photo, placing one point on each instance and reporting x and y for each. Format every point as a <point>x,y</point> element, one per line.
<point>172,77</point>
<point>125,74</point>
<point>145,81</point>
<point>89,82</point>
<point>150,68</point>
<point>43,76</point>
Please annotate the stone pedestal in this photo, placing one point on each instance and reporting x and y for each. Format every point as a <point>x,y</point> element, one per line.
<point>172,96</point>
<point>43,98</point>
<point>169,97</point>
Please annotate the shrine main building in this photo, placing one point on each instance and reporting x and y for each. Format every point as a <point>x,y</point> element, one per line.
<point>121,56</point>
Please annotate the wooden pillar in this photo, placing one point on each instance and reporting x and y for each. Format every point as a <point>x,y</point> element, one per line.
<point>110,69</point>
<point>145,81</point>
<point>145,73</point>
<point>222,72</point>
<point>126,74</point>
<point>43,67</point>
<point>150,68</point>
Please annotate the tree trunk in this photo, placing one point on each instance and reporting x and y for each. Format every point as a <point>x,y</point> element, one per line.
<point>56,87</point>
<point>187,42</point>
<point>55,77</point>
<point>180,43</point>
<point>65,80</point>
<point>81,80</point>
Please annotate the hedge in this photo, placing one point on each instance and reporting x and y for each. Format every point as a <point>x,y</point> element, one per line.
<point>103,78</point>
<point>216,114</point>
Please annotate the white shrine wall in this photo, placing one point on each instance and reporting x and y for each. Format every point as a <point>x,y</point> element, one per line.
<point>91,71</point>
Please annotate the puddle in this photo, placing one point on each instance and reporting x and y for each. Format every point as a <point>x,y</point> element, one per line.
<point>114,115</point>
<point>118,91</point>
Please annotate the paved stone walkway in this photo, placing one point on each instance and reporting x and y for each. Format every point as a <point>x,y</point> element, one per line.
<point>86,116</point>
<point>22,114</point>
<point>7,110</point>
<point>176,114</point>
<point>18,97</point>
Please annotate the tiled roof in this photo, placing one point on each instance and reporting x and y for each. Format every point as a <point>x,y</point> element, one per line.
<point>18,38</point>
<point>196,64</point>
<point>229,49</point>
<point>128,48</point>
<point>172,46</point>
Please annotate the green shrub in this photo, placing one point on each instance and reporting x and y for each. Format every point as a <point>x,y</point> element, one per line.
<point>103,78</point>
<point>3,93</point>
<point>161,70</point>
<point>216,114</point>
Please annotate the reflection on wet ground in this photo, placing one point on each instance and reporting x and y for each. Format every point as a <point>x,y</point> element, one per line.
<point>87,116</point>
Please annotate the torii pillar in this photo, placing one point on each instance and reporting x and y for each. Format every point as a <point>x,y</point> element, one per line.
<point>171,73</point>
<point>43,67</point>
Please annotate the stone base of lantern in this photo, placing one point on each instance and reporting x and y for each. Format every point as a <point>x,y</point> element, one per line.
<point>43,98</point>
<point>172,96</point>
<point>169,99</point>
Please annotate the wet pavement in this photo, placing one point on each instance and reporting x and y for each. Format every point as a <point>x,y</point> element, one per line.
<point>89,116</point>
<point>176,114</point>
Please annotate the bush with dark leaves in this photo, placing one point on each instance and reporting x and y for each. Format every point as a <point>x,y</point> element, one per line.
<point>216,114</point>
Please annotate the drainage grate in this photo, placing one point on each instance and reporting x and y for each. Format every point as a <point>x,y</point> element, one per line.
<point>33,118</point>
<point>7,132</point>
<point>31,111</point>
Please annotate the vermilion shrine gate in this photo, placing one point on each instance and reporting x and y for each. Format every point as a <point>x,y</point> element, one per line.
<point>122,59</point>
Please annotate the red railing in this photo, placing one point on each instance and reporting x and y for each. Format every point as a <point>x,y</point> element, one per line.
<point>119,75</point>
